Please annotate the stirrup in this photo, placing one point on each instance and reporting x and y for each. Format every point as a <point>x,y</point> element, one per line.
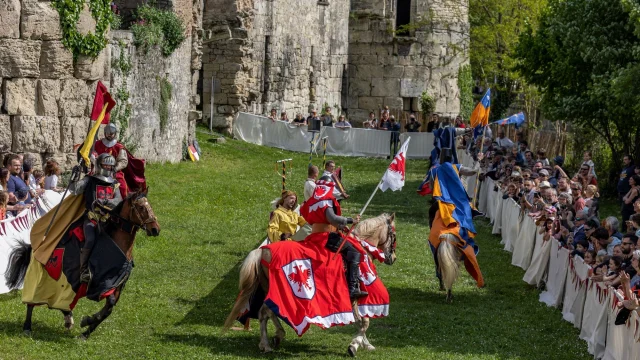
<point>85,277</point>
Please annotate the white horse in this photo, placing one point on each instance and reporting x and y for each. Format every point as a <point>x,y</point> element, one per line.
<point>379,232</point>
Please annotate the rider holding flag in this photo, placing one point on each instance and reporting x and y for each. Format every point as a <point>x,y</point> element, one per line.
<point>323,212</point>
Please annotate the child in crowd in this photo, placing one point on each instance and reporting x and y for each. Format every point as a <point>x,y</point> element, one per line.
<point>588,162</point>
<point>615,263</point>
<point>590,258</point>
<point>4,199</point>
<point>591,199</point>
<point>38,176</point>
<point>21,196</point>
<point>51,172</point>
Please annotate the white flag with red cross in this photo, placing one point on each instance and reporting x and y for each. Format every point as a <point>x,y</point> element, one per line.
<point>393,178</point>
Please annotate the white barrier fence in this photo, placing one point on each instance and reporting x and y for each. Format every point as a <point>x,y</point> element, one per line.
<point>589,306</point>
<point>261,130</point>
<point>18,228</point>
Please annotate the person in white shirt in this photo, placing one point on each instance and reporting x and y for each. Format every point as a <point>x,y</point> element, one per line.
<point>310,184</point>
<point>503,141</point>
<point>342,123</point>
<point>329,168</point>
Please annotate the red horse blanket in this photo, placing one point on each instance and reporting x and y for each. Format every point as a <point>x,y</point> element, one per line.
<point>307,285</point>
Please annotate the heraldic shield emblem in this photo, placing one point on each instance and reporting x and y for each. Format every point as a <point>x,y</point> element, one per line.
<point>367,275</point>
<point>300,277</point>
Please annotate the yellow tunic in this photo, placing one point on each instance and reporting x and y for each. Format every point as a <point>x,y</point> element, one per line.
<point>284,221</point>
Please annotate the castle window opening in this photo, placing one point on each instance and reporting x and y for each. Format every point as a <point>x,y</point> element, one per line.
<point>403,15</point>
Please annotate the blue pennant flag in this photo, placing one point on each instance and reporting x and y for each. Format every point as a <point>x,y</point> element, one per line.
<point>517,119</point>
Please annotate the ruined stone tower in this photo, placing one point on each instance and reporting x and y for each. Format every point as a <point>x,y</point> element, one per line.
<point>294,55</point>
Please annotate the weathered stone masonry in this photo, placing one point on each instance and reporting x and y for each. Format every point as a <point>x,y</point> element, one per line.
<point>296,55</point>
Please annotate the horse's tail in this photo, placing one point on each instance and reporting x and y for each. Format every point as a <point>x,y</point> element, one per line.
<point>249,282</point>
<point>19,260</point>
<point>447,253</point>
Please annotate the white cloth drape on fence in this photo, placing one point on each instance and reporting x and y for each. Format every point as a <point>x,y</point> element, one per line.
<point>539,261</point>
<point>589,306</point>
<point>261,130</point>
<point>558,265</point>
<point>18,228</point>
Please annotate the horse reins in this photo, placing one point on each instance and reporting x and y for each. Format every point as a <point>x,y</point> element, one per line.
<point>127,225</point>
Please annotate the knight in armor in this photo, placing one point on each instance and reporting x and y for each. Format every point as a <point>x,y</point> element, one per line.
<point>101,196</point>
<point>323,212</point>
<point>110,145</point>
<point>446,156</point>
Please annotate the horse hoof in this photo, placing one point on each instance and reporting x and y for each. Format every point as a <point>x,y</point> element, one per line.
<point>83,337</point>
<point>351,350</point>
<point>85,321</point>
<point>276,342</point>
<point>27,333</point>
<point>369,347</point>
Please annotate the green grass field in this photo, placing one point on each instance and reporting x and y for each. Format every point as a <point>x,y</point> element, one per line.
<point>215,211</point>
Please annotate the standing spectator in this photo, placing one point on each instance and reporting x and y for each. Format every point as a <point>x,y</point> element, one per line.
<point>613,225</point>
<point>631,197</point>
<point>313,115</point>
<point>284,116</point>
<point>327,118</point>
<point>51,172</point>
<point>299,120</point>
<point>4,178</point>
<point>4,200</point>
<point>384,122</point>
<point>310,184</point>
<point>558,171</point>
<point>371,122</point>
<point>394,127</point>
<point>542,157</point>
<point>329,168</point>
<point>16,183</point>
<point>412,125</point>
<point>273,114</point>
<point>528,159</point>
<point>628,170</point>
<point>578,200</point>
<point>589,163</point>
<point>342,123</point>
<point>459,123</point>
<point>502,140</point>
<point>385,111</point>
<point>583,177</point>
<point>434,123</point>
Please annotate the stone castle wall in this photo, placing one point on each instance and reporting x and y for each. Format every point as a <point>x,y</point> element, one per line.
<point>388,70</point>
<point>339,52</point>
<point>289,55</point>
<point>46,96</point>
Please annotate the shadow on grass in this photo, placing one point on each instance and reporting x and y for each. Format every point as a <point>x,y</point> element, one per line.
<point>40,331</point>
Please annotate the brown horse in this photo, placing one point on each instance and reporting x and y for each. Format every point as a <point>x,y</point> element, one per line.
<point>134,213</point>
<point>379,232</point>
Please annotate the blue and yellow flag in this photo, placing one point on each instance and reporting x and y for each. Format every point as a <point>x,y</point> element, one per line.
<point>453,202</point>
<point>480,115</point>
<point>517,119</point>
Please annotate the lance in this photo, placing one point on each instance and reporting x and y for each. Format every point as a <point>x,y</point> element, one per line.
<point>284,171</point>
<point>311,143</point>
<point>324,150</point>
<point>475,190</point>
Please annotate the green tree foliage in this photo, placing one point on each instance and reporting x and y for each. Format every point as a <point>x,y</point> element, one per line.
<point>495,28</point>
<point>465,84</point>
<point>584,57</point>
<point>156,27</point>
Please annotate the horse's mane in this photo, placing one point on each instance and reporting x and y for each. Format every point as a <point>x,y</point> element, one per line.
<point>370,228</point>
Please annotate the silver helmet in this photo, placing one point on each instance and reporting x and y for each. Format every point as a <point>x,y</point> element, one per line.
<point>111,128</point>
<point>100,172</point>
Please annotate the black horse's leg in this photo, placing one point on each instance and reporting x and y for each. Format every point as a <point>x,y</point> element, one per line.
<point>26,328</point>
<point>93,321</point>
<point>68,319</point>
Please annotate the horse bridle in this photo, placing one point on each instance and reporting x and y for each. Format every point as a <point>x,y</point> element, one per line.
<point>391,237</point>
<point>130,227</point>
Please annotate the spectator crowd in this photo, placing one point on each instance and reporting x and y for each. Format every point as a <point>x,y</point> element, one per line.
<point>21,182</point>
<point>567,207</point>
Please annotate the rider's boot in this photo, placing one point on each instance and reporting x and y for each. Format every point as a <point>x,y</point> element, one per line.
<point>85,274</point>
<point>353,277</point>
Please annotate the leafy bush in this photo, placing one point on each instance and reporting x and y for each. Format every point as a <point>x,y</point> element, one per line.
<point>155,27</point>
<point>427,104</point>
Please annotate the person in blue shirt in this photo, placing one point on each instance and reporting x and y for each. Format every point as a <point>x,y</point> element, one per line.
<point>625,174</point>
<point>16,184</point>
<point>394,127</point>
